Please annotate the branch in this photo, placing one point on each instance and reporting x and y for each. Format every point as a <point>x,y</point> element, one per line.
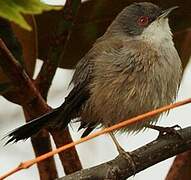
<point>29,163</point>
<point>59,40</point>
<point>162,148</point>
<point>21,81</point>
<point>69,159</point>
<point>41,144</point>
<point>32,102</point>
<point>180,168</point>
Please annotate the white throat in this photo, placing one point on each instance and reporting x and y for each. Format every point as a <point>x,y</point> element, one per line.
<point>157,32</point>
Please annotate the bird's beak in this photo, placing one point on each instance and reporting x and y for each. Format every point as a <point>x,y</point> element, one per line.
<point>166,12</point>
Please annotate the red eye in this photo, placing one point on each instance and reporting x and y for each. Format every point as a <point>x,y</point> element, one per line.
<point>143,21</point>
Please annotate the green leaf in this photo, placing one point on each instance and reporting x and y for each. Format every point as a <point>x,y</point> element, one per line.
<point>13,10</point>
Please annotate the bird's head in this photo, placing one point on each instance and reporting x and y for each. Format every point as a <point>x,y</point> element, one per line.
<point>142,20</point>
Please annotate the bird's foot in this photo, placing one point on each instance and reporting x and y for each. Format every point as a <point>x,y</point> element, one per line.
<point>167,130</point>
<point>128,157</point>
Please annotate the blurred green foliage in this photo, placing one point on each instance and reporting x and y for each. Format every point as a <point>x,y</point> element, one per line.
<point>13,10</point>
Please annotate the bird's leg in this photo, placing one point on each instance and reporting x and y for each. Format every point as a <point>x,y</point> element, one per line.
<point>166,130</point>
<point>126,155</point>
<point>119,148</point>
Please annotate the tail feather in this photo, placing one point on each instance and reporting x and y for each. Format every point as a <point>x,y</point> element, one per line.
<point>31,128</point>
<point>59,117</point>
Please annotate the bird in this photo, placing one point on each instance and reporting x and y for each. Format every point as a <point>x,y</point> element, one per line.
<point>131,69</point>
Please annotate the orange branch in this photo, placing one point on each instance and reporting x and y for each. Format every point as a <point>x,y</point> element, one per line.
<point>29,163</point>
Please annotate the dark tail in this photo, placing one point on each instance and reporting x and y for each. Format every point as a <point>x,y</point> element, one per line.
<point>61,115</point>
<point>32,127</point>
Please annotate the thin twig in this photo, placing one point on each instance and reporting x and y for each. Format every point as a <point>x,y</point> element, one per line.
<point>120,125</point>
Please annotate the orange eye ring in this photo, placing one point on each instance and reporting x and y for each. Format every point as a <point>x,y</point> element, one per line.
<point>143,21</point>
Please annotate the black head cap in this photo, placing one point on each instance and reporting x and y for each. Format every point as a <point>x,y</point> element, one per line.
<point>135,17</point>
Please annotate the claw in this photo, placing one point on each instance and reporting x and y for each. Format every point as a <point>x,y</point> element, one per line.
<point>128,157</point>
<point>167,130</point>
<point>124,154</point>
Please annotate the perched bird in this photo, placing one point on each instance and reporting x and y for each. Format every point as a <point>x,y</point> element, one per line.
<point>132,69</point>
